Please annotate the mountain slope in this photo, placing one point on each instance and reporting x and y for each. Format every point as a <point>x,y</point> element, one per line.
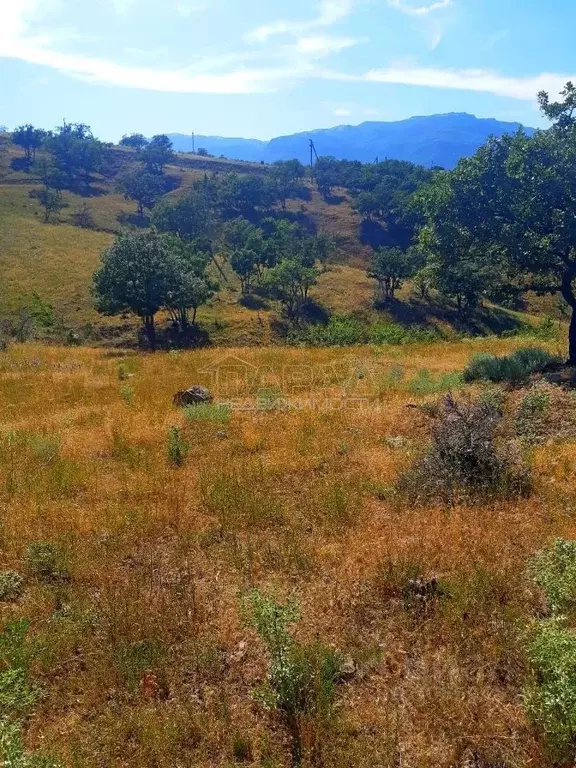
<point>434,140</point>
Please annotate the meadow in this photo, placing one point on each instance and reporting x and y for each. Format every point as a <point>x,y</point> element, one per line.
<point>134,530</point>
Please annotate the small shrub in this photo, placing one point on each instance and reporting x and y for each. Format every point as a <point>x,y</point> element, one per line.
<point>550,698</point>
<point>513,369</point>
<point>178,447</point>
<point>211,412</point>
<point>554,571</point>
<point>301,678</point>
<point>466,459</point>
<point>340,331</point>
<point>531,416</point>
<point>395,334</point>
<point>123,372</point>
<point>45,447</point>
<point>127,395</point>
<point>17,694</point>
<point>45,562</point>
<point>12,750</point>
<point>11,584</point>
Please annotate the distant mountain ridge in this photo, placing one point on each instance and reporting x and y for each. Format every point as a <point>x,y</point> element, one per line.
<point>433,140</point>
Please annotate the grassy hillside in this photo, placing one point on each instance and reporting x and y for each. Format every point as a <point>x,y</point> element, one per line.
<point>138,652</point>
<point>57,261</point>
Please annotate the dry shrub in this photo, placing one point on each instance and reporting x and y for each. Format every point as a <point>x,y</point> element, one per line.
<point>469,459</point>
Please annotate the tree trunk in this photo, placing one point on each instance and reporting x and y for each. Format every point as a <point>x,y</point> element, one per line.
<point>572,338</point>
<point>568,295</point>
<point>150,331</point>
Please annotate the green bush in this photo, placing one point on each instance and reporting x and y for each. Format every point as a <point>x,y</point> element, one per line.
<point>45,561</point>
<point>17,694</point>
<point>344,331</point>
<point>340,331</point>
<point>513,369</point>
<point>393,333</point>
<point>550,698</point>
<point>531,416</point>
<point>554,571</point>
<point>10,586</point>
<point>13,754</point>
<point>178,447</point>
<point>301,678</point>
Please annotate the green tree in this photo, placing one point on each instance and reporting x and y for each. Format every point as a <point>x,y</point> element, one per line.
<point>52,202</point>
<point>324,247</point>
<point>136,275</point>
<point>30,139</point>
<point>190,285</point>
<point>140,185</point>
<point>190,217</point>
<point>135,140</point>
<point>75,152</point>
<point>157,153</point>
<point>390,267</point>
<point>286,176</point>
<point>244,263</point>
<point>290,282</point>
<point>458,240</point>
<point>513,206</point>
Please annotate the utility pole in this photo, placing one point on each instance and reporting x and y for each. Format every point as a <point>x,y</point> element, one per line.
<point>313,154</point>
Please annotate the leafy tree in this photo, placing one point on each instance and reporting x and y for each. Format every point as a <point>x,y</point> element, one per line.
<point>135,140</point>
<point>191,287</point>
<point>561,113</point>
<point>327,173</point>
<point>157,153</point>
<point>324,246</point>
<point>244,243</point>
<point>244,263</point>
<point>136,275</point>
<point>243,194</point>
<point>75,152</point>
<point>50,175</point>
<point>189,217</point>
<point>202,152</point>
<point>515,203</point>
<point>140,185</point>
<point>52,202</point>
<point>30,139</point>
<point>466,262</point>
<point>3,155</point>
<point>290,282</point>
<point>286,176</point>
<point>390,267</point>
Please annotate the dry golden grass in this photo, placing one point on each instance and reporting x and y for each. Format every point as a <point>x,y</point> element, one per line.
<point>293,501</point>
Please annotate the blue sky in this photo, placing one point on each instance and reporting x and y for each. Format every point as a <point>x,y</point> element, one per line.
<point>262,68</point>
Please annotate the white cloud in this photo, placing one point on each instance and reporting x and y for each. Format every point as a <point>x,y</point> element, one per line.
<point>323,45</point>
<point>329,12</point>
<point>418,10</point>
<point>342,112</point>
<point>485,81</point>
<point>123,6</point>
